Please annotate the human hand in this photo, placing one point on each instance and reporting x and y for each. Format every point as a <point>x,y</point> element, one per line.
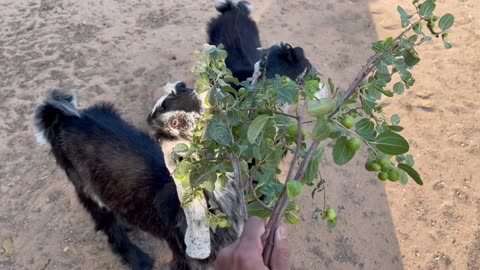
<point>246,253</point>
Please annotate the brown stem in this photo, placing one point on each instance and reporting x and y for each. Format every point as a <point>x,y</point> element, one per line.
<point>269,235</point>
<point>369,67</point>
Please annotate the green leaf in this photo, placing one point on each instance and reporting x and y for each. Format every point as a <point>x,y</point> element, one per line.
<point>417,28</point>
<point>395,128</point>
<point>255,209</point>
<point>274,157</point>
<point>256,127</point>
<point>266,175</point>
<point>388,60</point>
<point>294,189</point>
<point>446,44</point>
<point>321,107</point>
<point>375,90</point>
<point>286,90</point>
<point>411,58</point>
<point>311,173</point>
<point>404,16</point>
<point>310,88</point>
<point>398,88</point>
<point>341,153</point>
<point>426,38</point>
<point>218,131</point>
<point>292,218</point>
<point>231,80</point>
<point>378,46</point>
<point>413,39</point>
<point>383,73</point>
<point>395,119</point>
<point>202,173</point>
<point>365,129</point>
<point>400,65</point>
<point>331,86</point>
<point>411,172</point>
<point>292,206</point>
<point>391,143</point>
<point>446,21</point>
<point>321,130</point>
<point>369,106</point>
<point>182,173</point>
<point>427,8</point>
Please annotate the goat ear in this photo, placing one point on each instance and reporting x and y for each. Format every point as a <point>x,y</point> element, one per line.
<point>291,54</point>
<point>158,107</point>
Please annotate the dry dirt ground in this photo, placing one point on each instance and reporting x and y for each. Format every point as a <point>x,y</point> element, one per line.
<point>124,51</point>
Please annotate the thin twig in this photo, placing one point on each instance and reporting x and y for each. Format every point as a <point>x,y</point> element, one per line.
<point>369,67</point>
<point>274,111</point>
<point>250,183</point>
<point>269,235</point>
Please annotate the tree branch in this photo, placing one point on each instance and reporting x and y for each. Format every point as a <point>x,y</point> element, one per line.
<point>281,205</point>
<point>272,225</point>
<point>269,235</point>
<point>372,63</point>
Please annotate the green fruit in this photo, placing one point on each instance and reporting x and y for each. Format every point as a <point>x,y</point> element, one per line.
<point>382,176</point>
<point>292,129</point>
<point>376,167</point>
<point>354,144</point>
<point>330,214</point>
<point>369,165</point>
<point>348,121</point>
<point>384,162</point>
<point>223,223</point>
<point>394,175</point>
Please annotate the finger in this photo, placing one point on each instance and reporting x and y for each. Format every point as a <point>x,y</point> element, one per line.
<point>225,255</point>
<point>252,232</point>
<point>280,259</point>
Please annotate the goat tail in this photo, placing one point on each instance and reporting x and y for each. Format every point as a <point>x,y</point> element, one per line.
<point>58,105</point>
<point>225,5</point>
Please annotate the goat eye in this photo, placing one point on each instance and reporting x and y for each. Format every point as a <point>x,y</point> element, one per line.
<point>175,123</point>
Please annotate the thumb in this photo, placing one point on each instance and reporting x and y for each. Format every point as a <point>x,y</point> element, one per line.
<point>280,259</point>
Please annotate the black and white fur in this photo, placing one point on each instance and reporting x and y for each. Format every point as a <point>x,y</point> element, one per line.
<point>120,177</point>
<point>178,100</point>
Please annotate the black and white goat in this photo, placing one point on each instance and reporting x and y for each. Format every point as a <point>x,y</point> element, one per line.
<point>120,176</point>
<point>239,35</point>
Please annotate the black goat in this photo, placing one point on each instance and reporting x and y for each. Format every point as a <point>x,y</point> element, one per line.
<point>239,35</point>
<point>120,176</point>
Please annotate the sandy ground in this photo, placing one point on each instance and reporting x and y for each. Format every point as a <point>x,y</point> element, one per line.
<point>125,50</point>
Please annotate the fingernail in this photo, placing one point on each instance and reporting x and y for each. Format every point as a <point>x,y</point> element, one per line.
<point>282,233</point>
